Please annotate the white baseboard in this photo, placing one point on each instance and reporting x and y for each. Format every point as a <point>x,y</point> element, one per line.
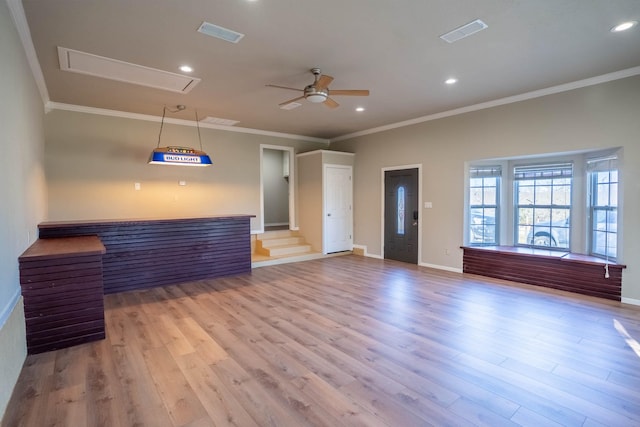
<point>631,301</point>
<point>366,253</point>
<point>441,267</point>
<point>13,351</point>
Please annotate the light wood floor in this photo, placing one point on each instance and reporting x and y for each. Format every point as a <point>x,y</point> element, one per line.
<point>343,341</point>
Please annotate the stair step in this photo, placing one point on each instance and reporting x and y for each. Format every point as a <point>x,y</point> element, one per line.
<point>279,241</point>
<point>276,234</point>
<point>286,250</point>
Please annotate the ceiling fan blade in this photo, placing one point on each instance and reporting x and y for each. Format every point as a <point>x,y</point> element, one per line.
<point>291,100</point>
<point>330,103</point>
<point>285,87</point>
<point>323,82</point>
<point>347,92</point>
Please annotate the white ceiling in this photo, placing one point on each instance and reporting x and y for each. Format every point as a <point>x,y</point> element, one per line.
<point>391,47</point>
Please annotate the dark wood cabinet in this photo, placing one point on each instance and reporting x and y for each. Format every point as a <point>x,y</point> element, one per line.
<point>62,288</point>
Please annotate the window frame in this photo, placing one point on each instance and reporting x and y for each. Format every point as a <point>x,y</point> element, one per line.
<point>484,172</point>
<point>595,166</point>
<point>538,174</point>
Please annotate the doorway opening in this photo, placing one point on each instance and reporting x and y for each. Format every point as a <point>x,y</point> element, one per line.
<point>401,219</point>
<point>277,195</point>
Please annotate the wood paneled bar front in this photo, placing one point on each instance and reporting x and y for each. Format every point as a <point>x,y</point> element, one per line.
<point>155,252</point>
<point>61,281</point>
<point>565,271</point>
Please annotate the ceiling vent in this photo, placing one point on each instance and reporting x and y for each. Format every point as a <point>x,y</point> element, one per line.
<point>220,32</point>
<point>219,121</point>
<point>290,106</point>
<point>464,31</point>
<point>107,68</point>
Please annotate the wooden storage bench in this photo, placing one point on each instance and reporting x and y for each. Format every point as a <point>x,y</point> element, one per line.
<point>566,271</point>
<point>61,280</point>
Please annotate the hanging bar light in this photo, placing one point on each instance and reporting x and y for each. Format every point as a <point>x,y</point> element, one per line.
<point>176,155</point>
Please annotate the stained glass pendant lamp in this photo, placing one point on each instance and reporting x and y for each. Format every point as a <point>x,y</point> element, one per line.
<point>176,155</point>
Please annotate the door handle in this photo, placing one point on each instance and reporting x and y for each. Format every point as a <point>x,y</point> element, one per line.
<point>328,214</point>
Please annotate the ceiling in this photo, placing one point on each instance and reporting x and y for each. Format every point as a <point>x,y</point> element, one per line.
<point>392,48</point>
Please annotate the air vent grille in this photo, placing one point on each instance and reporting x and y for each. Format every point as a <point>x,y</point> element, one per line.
<point>220,32</point>
<point>219,121</point>
<point>464,31</point>
<point>290,106</point>
<point>107,68</point>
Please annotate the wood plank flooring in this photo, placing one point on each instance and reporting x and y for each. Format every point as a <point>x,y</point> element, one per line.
<point>345,341</point>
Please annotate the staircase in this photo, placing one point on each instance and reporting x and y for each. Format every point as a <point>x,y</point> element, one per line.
<point>281,243</point>
<point>279,247</point>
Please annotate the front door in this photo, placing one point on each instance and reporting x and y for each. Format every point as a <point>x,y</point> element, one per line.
<point>401,215</point>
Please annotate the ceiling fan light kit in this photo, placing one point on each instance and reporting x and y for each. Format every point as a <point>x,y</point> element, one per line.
<point>315,96</point>
<point>318,91</point>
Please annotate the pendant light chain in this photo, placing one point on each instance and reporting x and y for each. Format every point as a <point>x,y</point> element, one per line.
<point>164,111</point>
<point>198,126</point>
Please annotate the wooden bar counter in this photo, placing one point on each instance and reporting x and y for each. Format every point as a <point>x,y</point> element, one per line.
<point>155,252</point>
<point>61,282</point>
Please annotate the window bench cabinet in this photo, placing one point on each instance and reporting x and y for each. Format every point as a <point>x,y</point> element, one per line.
<point>61,281</point>
<point>565,271</point>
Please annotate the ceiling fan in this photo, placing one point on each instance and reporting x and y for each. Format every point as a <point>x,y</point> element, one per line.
<point>319,91</point>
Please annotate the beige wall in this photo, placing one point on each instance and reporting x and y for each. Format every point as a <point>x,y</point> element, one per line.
<point>93,161</point>
<point>309,172</point>
<point>22,193</point>
<point>591,118</point>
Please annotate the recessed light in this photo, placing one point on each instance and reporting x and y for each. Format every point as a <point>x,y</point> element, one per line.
<point>451,81</point>
<point>186,69</point>
<point>624,26</point>
<point>359,109</point>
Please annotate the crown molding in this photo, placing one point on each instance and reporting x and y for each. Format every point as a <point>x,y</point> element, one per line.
<point>22,27</point>
<point>617,75</point>
<point>136,116</point>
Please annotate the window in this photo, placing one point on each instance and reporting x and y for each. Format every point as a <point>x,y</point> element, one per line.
<point>484,185</point>
<point>543,205</point>
<point>400,219</point>
<point>603,206</point>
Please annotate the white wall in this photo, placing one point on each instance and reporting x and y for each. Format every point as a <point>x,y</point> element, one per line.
<point>592,118</point>
<point>22,192</point>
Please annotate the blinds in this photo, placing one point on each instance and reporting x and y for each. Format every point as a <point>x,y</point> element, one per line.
<point>485,171</point>
<point>602,164</point>
<point>560,170</point>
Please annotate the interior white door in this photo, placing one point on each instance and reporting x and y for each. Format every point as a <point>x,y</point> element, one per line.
<point>338,214</point>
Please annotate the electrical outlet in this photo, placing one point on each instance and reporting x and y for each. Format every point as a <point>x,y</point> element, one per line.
<point>446,252</point>
<point>136,186</point>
